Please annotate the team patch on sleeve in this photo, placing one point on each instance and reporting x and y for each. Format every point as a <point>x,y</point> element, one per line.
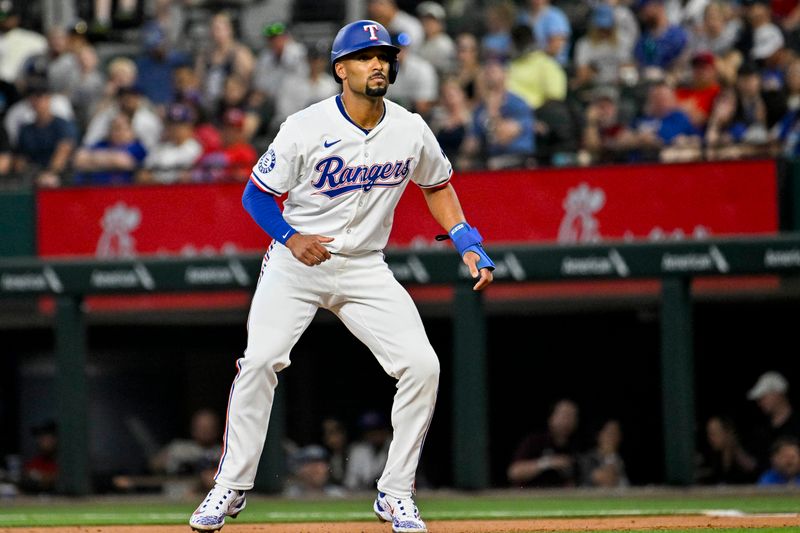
<point>266,162</point>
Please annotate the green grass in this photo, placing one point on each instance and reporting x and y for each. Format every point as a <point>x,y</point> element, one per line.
<point>435,507</point>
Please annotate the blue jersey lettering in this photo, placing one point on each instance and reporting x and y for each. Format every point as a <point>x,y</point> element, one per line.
<point>336,178</point>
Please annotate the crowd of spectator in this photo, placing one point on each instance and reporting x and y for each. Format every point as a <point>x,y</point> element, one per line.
<point>568,451</point>
<point>524,84</point>
<point>555,456</point>
<point>163,115</point>
<point>565,451</point>
<point>765,453</point>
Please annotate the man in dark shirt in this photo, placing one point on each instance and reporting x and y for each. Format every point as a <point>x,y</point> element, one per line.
<point>770,392</point>
<point>548,459</point>
<point>45,145</point>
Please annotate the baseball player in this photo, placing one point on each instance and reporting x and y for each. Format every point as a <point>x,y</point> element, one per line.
<point>344,163</point>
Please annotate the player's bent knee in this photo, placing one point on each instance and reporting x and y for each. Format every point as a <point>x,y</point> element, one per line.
<point>263,359</point>
<point>431,378</point>
<point>266,349</point>
<point>425,370</point>
<point>267,357</point>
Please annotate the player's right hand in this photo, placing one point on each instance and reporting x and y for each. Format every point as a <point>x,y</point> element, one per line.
<point>308,249</point>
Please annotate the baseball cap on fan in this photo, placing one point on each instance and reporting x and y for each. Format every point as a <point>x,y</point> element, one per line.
<point>703,59</point>
<point>641,4</point>
<point>178,113</point>
<point>431,9</point>
<point>605,92</point>
<point>767,40</point>
<point>36,86</point>
<point>274,29</point>
<point>768,382</point>
<point>311,453</point>
<point>234,118</point>
<point>153,36</point>
<point>602,17</point>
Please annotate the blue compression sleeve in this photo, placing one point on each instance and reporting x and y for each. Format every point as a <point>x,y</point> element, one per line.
<point>263,207</point>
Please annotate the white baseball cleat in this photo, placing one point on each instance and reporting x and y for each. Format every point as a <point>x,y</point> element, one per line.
<point>401,512</point>
<point>220,502</point>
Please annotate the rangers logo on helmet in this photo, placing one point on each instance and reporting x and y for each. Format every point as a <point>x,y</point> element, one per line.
<point>373,31</point>
<point>358,36</point>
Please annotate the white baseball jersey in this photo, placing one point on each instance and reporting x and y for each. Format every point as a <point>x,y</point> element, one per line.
<point>343,181</point>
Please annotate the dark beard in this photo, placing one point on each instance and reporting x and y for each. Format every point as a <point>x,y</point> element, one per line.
<point>375,91</point>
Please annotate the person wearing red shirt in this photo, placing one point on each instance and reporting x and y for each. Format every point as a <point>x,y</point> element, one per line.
<point>40,472</point>
<point>234,159</point>
<point>697,98</point>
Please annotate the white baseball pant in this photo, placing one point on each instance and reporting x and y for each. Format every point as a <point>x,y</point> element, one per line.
<point>364,294</point>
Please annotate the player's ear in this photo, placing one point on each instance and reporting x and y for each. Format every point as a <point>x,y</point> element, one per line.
<point>340,70</point>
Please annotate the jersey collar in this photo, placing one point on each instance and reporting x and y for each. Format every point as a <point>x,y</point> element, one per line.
<point>343,111</point>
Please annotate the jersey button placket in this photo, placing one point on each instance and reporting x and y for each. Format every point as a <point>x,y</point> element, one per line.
<point>366,163</point>
<point>361,193</point>
<point>365,157</point>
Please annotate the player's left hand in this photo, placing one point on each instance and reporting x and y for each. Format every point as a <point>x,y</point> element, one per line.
<point>486,277</point>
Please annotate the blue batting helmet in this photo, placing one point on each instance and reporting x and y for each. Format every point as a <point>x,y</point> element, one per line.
<point>360,35</point>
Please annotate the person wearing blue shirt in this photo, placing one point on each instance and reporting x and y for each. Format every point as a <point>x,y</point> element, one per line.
<point>502,126</point>
<point>667,127</point>
<point>661,44</point>
<point>663,116</point>
<point>157,65</point>
<point>551,28</point>
<point>788,133</point>
<point>662,125</point>
<point>112,160</point>
<point>785,463</point>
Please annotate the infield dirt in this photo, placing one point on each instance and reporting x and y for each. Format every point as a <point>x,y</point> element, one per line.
<point>455,526</point>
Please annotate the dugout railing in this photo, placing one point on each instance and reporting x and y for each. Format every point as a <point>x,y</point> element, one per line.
<point>674,263</point>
